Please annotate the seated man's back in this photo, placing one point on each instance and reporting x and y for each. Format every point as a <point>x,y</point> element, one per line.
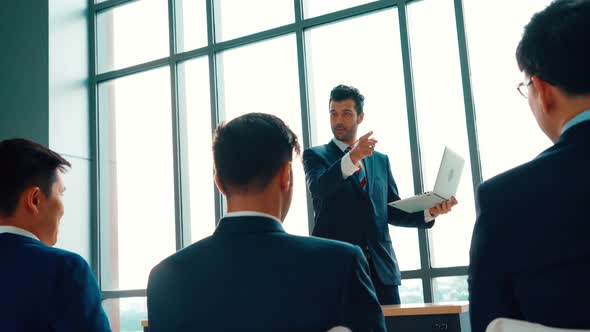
<point>530,257</point>
<point>41,288</point>
<point>252,276</point>
<point>46,289</point>
<point>530,252</point>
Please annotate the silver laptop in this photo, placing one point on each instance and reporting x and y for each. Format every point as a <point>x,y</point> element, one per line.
<point>447,182</point>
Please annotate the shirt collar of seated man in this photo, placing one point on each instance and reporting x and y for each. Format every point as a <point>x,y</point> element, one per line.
<point>33,186</point>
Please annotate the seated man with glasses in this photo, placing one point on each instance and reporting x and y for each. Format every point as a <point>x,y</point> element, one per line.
<point>530,253</point>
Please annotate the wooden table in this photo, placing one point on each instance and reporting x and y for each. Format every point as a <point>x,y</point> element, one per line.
<point>420,317</point>
<point>425,317</point>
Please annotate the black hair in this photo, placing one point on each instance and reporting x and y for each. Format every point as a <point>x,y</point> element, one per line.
<point>556,48</point>
<point>343,92</point>
<point>249,151</point>
<point>24,163</point>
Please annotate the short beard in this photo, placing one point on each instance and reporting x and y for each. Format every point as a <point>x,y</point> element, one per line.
<point>348,136</point>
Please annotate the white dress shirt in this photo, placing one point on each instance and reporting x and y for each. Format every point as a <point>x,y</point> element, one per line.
<point>18,231</point>
<point>349,168</point>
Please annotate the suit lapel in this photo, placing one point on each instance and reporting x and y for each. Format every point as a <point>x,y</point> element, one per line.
<point>369,165</point>
<point>334,152</point>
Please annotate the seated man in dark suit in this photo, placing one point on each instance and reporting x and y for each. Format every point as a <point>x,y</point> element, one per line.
<point>41,288</point>
<point>251,275</point>
<point>530,254</point>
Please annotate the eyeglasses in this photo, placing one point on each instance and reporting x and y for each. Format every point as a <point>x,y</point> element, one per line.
<point>522,88</point>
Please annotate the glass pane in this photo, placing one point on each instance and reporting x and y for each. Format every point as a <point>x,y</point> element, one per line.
<point>411,291</point>
<point>126,314</point>
<point>263,77</point>
<point>341,53</point>
<point>441,119</point>
<point>240,18</point>
<point>137,232</point>
<point>450,289</point>
<point>312,8</point>
<point>193,83</point>
<point>191,24</point>
<point>405,244</point>
<point>131,34</point>
<point>494,76</point>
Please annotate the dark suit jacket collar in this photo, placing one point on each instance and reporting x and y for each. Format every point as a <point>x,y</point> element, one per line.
<point>20,238</point>
<point>334,149</point>
<point>248,224</point>
<point>579,132</point>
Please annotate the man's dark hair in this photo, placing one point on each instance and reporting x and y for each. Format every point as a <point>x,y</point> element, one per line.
<point>556,48</point>
<point>343,92</point>
<point>24,163</point>
<point>250,150</point>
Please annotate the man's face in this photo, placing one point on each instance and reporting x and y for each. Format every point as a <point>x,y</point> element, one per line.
<point>51,210</point>
<point>344,120</point>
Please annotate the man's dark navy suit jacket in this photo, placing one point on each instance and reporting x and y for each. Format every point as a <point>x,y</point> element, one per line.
<point>530,251</point>
<point>253,276</point>
<point>346,213</point>
<point>46,289</point>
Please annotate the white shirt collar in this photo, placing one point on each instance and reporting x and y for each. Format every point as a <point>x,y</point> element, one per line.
<point>18,231</point>
<point>251,214</point>
<point>343,146</point>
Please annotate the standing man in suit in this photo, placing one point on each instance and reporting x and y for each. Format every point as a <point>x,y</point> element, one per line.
<point>41,288</point>
<point>351,185</point>
<point>251,275</point>
<point>530,253</point>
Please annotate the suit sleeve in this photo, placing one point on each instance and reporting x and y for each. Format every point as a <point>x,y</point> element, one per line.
<point>398,217</point>
<point>161,315</point>
<point>490,290</point>
<point>361,309</point>
<point>79,305</point>
<point>322,181</point>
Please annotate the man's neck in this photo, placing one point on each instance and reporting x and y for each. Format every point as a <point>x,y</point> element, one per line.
<point>10,221</point>
<point>14,222</point>
<point>348,143</point>
<point>256,203</point>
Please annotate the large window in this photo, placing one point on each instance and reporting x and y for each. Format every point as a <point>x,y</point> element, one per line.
<point>140,178</point>
<point>167,72</point>
<point>441,120</point>
<point>131,34</point>
<point>508,133</point>
<point>195,104</point>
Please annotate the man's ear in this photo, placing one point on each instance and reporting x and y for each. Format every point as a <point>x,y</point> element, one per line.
<point>218,184</point>
<point>360,118</point>
<point>285,176</point>
<point>545,93</point>
<point>31,198</point>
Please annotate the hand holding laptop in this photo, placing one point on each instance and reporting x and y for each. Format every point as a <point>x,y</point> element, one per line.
<point>443,208</point>
<point>442,198</point>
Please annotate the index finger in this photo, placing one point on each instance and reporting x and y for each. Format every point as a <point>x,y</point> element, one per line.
<point>366,136</point>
